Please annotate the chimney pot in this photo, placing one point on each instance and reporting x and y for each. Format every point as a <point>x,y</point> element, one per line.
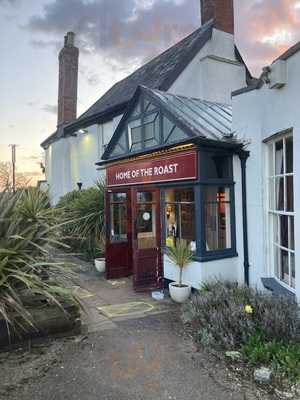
<point>70,39</point>
<point>222,11</point>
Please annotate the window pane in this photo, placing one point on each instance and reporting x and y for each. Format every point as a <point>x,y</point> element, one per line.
<point>151,126</point>
<point>167,128</point>
<point>271,159</point>
<point>284,266</point>
<point>118,197</point>
<point>148,106</point>
<point>144,197</point>
<point>289,154</point>
<point>284,240</point>
<point>176,136</point>
<point>180,216</point>
<point>291,234</point>
<point>279,157</point>
<point>293,269</point>
<point>118,221</point>
<point>276,226</point>
<point>217,218</point>
<point>289,193</point>
<point>279,192</point>
<point>146,232</point>
<point>215,166</point>
<point>272,193</point>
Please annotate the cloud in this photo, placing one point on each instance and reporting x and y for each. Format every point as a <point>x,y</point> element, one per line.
<point>265,29</point>
<point>9,2</point>
<point>50,108</point>
<point>120,30</point>
<point>129,32</point>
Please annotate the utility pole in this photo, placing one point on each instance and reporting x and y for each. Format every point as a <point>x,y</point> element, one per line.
<point>13,162</point>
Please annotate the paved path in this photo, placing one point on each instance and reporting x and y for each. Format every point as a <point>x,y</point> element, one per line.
<point>130,357</point>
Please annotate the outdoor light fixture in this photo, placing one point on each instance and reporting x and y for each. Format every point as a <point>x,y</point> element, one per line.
<point>83,131</point>
<point>79,184</point>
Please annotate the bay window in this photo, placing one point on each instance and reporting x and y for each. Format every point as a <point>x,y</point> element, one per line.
<point>180,217</point>
<point>281,207</point>
<point>217,218</point>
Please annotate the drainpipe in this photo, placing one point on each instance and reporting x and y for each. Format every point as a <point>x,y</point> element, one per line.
<point>243,155</point>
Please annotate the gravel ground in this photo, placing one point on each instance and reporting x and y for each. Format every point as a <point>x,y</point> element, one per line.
<point>141,359</point>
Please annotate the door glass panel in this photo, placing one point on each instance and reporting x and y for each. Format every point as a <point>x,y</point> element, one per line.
<point>118,217</point>
<point>146,221</point>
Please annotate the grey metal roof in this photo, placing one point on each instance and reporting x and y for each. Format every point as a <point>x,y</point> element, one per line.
<point>204,118</point>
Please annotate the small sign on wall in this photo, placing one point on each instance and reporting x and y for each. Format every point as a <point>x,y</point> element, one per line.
<point>176,167</point>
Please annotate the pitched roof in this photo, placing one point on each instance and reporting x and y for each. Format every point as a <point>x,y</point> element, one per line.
<point>204,118</point>
<point>200,119</point>
<point>159,73</point>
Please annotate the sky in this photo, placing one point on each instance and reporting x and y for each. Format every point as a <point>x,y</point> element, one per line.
<point>114,37</point>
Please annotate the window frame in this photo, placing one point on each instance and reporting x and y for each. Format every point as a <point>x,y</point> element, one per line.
<point>112,203</point>
<point>201,254</point>
<point>274,213</point>
<point>179,204</point>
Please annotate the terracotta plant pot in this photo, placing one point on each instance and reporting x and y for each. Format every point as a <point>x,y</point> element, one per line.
<point>100,264</point>
<point>179,294</point>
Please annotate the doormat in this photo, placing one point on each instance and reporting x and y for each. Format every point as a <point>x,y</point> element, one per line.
<point>121,310</point>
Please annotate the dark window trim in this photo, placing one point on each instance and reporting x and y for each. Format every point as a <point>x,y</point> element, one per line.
<point>202,255</point>
<point>215,254</point>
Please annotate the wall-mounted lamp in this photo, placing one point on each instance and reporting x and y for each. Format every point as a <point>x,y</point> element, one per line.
<point>79,184</point>
<point>83,131</point>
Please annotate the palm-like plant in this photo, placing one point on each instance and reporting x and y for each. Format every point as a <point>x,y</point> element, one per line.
<point>28,231</point>
<point>85,213</point>
<point>181,255</point>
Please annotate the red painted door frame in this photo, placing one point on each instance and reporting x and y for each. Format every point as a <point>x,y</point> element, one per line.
<point>118,255</point>
<point>147,262</point>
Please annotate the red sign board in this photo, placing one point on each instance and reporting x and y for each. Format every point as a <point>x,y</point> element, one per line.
<point>176,167</point>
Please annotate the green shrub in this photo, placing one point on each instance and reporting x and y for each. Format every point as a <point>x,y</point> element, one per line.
<point>28,230</point>
<point>282,357</point>
<point>84,212</point>
<point>217,315</point>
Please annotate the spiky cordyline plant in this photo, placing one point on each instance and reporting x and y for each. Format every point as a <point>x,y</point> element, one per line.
<point>28,231</point>
<point>85,210</point>
<point>181,255</point>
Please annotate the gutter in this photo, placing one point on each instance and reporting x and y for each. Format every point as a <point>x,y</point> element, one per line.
<point>243,155</point>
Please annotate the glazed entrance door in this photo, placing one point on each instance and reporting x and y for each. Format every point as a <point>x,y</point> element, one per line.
<point>147,260</point>
<point>118,234</point>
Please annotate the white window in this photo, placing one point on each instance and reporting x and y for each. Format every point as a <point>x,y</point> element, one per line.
<point>281,207</point>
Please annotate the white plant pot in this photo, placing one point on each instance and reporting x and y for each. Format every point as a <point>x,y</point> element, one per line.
<point>100,264</point>
<point>179,294</point>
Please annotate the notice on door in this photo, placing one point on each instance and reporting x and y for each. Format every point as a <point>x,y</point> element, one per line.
<point>176,167</point>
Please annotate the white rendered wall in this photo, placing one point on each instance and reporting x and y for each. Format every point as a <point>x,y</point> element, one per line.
<point>197,273</point>
<point>72,159</point>
<point>213,73</point>
<point>257,115</point>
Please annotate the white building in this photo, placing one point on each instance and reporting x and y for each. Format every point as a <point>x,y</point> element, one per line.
<point>206,65</point>
<point>228,183</point>
<point>267,115</point>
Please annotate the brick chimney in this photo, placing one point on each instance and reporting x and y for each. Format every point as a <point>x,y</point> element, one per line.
<point>68,80</point>
<point>222,11</point>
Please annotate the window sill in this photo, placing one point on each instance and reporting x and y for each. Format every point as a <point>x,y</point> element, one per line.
<point>216,256</point>
<point>276,287</point>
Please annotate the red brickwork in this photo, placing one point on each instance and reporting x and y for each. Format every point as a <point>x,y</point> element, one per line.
<point>222,11</point>
<point>68,81</point>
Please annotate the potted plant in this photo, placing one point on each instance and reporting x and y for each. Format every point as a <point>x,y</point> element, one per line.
<point>181,255</point>
<point>100,261</point>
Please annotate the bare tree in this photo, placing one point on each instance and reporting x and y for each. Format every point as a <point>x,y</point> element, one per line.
<point>6,178</point>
